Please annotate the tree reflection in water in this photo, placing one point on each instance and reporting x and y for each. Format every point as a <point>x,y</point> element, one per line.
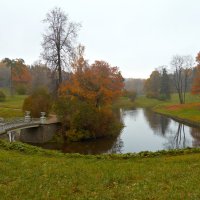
<point>99,146</point>
<point>177,139</point>
<point>195,132</point>
<point>144,130</point>
<point>158,123</point>
<point>133,113</point>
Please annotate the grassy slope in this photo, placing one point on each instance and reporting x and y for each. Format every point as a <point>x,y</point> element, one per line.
<point>27,173</point>
<point>12,107</point>
<point>189,112</point>
<point>30,173</point>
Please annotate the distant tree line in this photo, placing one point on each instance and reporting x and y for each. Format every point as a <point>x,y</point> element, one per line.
<point>24,79</point>
<point>183,77</point>
<point>134,85</point>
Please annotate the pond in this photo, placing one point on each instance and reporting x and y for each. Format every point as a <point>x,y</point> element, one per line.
<point>144,131</point>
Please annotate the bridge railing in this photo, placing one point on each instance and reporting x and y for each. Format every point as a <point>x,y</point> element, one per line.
<point>11,123</point>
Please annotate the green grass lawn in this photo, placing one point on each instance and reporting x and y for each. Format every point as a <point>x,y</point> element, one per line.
<point>143,101</point>
<point>30,173</point>
<point>12,106</point>
<point>15,101</point>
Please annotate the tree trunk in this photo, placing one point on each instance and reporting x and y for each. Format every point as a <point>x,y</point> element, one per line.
<point>59,69</point>
<point>11,85</point>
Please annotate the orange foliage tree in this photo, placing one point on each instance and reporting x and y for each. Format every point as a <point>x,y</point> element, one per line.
<point>196,81</point>
<point>98,84</point>
<point>20,72</point>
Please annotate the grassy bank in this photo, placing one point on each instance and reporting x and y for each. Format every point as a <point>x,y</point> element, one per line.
<point>31,173</point>
<point>188,112</point>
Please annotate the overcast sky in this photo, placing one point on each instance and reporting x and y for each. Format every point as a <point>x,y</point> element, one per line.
<point>135,35</point>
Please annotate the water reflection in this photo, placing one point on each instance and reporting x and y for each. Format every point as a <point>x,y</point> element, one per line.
<point>196,137</point>
<point>177,139</point>
<point>158,123</point>
<point>129,113</point>
<point>143,131</point>
<point>99,146</point>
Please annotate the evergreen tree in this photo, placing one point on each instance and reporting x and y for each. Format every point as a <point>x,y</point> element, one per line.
<point>164,85</point>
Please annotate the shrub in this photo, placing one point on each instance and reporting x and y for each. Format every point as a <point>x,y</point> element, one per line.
<point>21,89</point>
<point>163,97</point>
<point>130,94</point>
<point>84,121</point>
<point>2,96</point>
<point>39,101</point>
<point>152,95</point>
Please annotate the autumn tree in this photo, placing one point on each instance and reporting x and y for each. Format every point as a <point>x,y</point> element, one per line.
<point>4,75</point>
<point>19,72</point>
<point>84,103</point>
<point>59,40</point>
<point>182,66</point>
<point>196,81</point>
<point>98,84</point>
<point>152,85</point>
<point>10,64</point>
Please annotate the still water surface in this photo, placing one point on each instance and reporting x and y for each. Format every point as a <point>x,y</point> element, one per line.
<point>144,131</point>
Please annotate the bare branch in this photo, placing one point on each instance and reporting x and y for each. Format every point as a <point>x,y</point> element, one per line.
<point>59,40</point>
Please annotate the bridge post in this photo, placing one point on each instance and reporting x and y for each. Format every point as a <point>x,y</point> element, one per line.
<point>27,117</point>
<point>11,135</point>
<point>43,118</point>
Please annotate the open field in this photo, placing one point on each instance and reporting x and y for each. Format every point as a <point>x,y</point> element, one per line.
<point>28,172</point>
<point>143,101</point>
<point>12,106</point>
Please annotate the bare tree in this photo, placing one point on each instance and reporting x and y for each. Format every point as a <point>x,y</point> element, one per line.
<point>182,66</point>
<point>59,40</point>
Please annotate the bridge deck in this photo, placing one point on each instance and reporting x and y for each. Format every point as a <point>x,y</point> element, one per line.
<point>20,123</point>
